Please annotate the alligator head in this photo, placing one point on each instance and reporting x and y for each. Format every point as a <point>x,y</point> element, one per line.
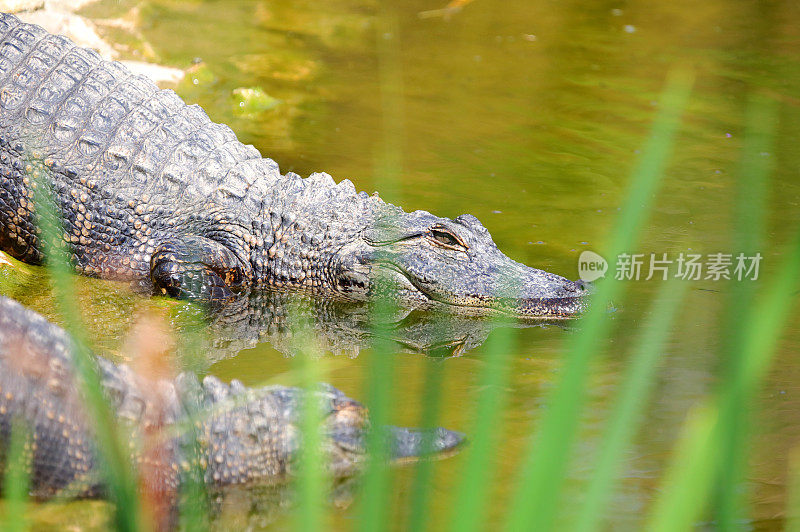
<point>331,238</point>
<point>345,424</point>
<point>345,430</point>
<point>451,262</point>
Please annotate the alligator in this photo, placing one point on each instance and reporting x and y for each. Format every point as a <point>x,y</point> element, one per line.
<point>243,436</point>
<point>149,189</point>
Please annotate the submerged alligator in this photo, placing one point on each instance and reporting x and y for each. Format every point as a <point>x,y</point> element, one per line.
<point>244,436</point>
<point>150,189</point>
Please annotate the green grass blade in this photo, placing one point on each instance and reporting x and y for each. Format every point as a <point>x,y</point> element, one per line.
<point>193,502</point>
<point>373,508</point>
<point>772,313</point>
<point>421,487</point>
<point>688,478</point>
<point>193,494</point>
<point>309,515</point>
<point>793,500</point>
<point>17,478</point>
<point>311,478</point>
<point>756,166</point>
<point>543,470</point>
<point>629,404</point>
<point>389,159</point>
<point>115,460</point>
<point>472,497</point>
<point>735,401</point>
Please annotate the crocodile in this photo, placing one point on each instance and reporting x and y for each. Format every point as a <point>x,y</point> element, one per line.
<point>149,189</point>
<point>242,436</point>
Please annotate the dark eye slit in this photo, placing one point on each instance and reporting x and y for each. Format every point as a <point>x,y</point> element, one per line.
<point>445,238</point>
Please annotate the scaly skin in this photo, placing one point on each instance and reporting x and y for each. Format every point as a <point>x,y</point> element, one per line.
<point>150,189</point>
<point>244,436</point>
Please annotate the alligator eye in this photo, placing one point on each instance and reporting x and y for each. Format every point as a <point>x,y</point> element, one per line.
<point>445,238</point>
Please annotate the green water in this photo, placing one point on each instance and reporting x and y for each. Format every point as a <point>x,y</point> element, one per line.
<point>528,115</point>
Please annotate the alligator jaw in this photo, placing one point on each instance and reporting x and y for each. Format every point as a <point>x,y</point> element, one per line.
<point>546,309</point>
<point>526,293</point>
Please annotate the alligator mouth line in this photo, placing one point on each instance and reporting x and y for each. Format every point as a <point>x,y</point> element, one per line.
<point>526,308</point>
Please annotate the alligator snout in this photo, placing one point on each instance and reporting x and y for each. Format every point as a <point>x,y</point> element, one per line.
<point>582,287</point>
<point>551,308</point>
<point>546,295</point>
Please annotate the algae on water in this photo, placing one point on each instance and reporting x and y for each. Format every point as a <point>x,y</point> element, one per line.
<point>252,100</point>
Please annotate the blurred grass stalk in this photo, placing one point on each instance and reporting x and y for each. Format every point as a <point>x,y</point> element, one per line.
<point>17,478</point>
<point>689,477</point>
<point>686,483</point>
<point>114,458</point>
<point>311,474</point>
<point>754,328</point>
<point>626,414</point>
<point>376,489</point>
<point>193,502</point>
<point>418,512</point>
<point>543,471</point>
<point>736,399</point>
<point>372,512</point>
<point>193,493</point>
<point>472,496</point>
<point>793,500</point>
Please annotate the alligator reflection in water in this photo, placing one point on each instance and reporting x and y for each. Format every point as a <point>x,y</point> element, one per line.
<point>261,507</point>
<point>341,328</point>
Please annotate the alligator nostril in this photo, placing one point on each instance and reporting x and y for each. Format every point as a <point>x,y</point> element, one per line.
<point>582,286</point>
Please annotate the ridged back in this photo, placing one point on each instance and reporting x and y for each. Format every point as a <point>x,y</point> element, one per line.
<point>96,118</point>
<point>40,392</point>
